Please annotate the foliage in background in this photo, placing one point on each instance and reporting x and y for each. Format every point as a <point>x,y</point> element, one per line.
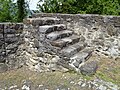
<point>22,11</point>
<point>15,12</point>
<point>104,7</point>
<point>57,6</point>
<point>11,11</point>
<point>8,11</point>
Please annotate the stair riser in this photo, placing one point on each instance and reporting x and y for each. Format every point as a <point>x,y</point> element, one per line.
<point>63,43</point>
<point>48,29</point>
<point>55,37</point>
<point>66,54</point>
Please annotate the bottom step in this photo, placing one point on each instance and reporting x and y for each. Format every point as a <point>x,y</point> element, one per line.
<point>73,49</point>
<point>80,57</point>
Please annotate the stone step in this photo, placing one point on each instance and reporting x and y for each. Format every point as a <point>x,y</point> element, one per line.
<point>50,28</point>
<point>65,41</point>
<point>42,21</point>
<point>81,57</point>
<point>73,49</point>
<point>59,34</point>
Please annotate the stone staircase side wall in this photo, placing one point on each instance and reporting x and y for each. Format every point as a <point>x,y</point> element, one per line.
<point>36,54</point>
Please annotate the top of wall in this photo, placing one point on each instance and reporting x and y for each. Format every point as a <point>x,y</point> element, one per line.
<point>88,18</point>
<point>83,15</point>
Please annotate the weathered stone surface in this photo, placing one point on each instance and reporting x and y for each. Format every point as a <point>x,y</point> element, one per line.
<point>1,28</point>
<point>59,34</point>
<point>3,67</point>
<point>1,25</point>
<point>76,64</point>
<point>71,50</point>
<point>11,46</point>
<point>1,36</point>
<point>9,31</point>
<point>65,41</point>
<point>11,40</point>
<point>9,35</point>
<point>72,39</point>
<point>89,68</point>
<point>50,28</point>
<point>43,21</point>
<point>111,30</point>
<point>1,42</point>
<point>2,59</point>
<point>36,43</point>
<point>81,57</point>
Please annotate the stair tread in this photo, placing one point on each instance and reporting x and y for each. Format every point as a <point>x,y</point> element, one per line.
<point>82,55</point>
<point>64,41</point>
<point>43,21</point>
<point>50,28</point>
<point>59,34</point>
<point>72,49</point>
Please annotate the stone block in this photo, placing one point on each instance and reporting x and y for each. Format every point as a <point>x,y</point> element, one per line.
<point>65,41</point>
<point>59,34</point>
<point>1,28</point>
<point>51,28</point>
<point>71,50</point>
<point>9,31</point>
<point>82,56</point>
<point>1,36</point>
<point>11,46</point>
<point>76,64</point>
<point>2,57</point>
<point>11,51</point>
<point>89,68</point>
<point>19,26</point>
<point>9,35</point>
<point>36,43</point>
<point>1,42</point>
<point>42,21</point>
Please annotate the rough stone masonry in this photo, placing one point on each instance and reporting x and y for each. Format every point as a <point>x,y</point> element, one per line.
<point>10,39</point>
<point>67,41</point>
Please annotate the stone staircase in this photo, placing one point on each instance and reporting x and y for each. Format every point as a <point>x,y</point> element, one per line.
<point>58,39</point>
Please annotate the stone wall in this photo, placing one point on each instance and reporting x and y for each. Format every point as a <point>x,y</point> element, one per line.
<point>10,39</point>
<point>100,32</point>
<point>20,46</point>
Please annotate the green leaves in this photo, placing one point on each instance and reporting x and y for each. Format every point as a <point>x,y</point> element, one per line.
<point>21,13</point>
<point>7,11</point>
<point>108,7</point>
<point>12,12</point>
<point>57,6</point>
